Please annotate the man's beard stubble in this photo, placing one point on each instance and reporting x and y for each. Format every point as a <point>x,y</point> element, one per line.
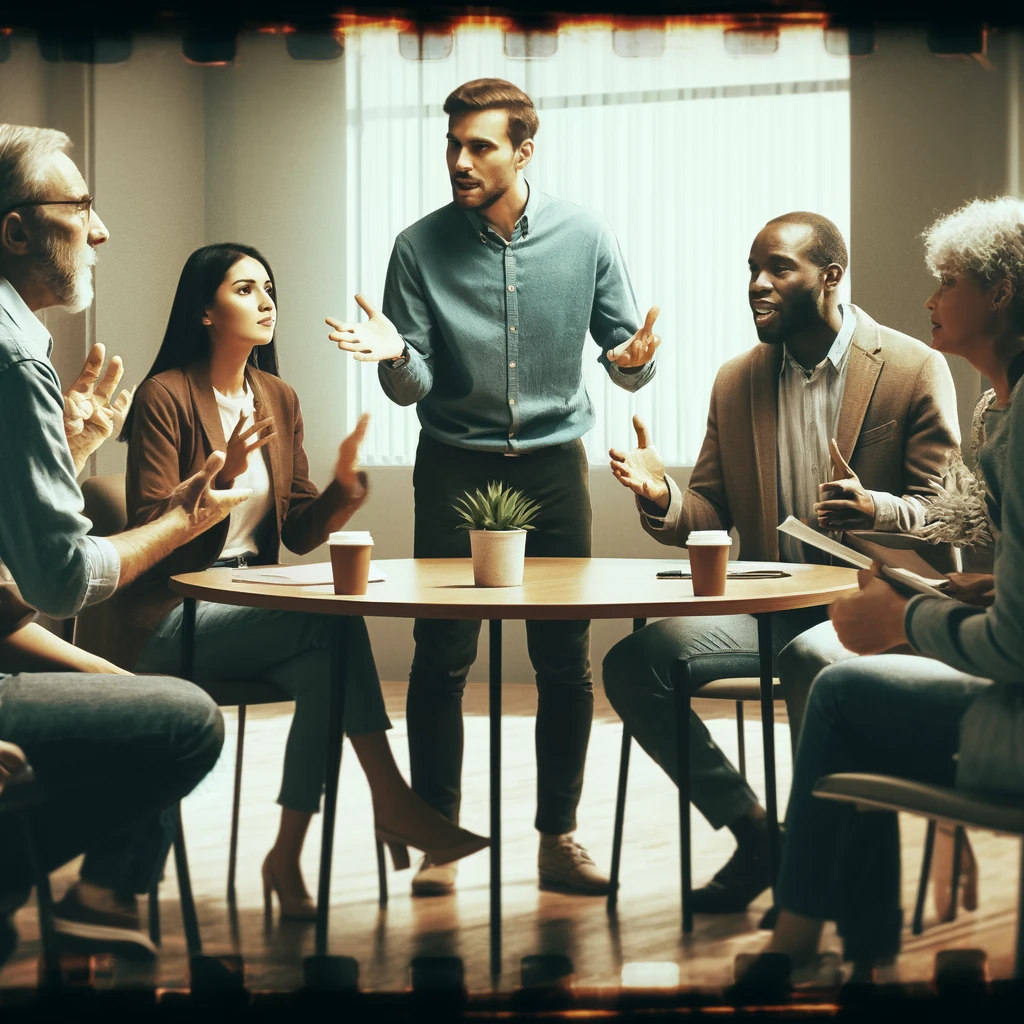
<point>66,273</point>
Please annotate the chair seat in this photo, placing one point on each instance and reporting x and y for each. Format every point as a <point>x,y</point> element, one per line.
<point>883,792</point>
<point>227,693</point>
<point>734,689</point>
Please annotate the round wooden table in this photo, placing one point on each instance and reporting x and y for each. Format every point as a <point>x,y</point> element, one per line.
<point>553,588</point>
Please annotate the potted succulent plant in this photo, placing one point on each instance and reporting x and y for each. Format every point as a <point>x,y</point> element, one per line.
<point>497,520</point>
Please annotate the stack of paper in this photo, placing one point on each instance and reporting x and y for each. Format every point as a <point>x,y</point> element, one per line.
<point>315,574</point>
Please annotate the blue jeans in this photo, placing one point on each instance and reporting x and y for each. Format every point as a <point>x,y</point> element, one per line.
<point>889,715</point>
<point>292,650</point>
<point>110,753</point>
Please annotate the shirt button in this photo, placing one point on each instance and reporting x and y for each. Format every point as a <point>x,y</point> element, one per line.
<point>511,287</point>
<point>512,364</point>
<point>512,328</point>
<point>508,251</point>
<point>511,401</point>
<point>483,238</point>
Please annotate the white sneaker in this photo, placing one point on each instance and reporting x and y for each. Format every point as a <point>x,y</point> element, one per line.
<point>565,866</point>
<point>434,879</point>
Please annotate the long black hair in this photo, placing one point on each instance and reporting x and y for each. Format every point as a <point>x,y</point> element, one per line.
<point>186,339</point>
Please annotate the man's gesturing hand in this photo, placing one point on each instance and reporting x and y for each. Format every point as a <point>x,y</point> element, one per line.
<point>371,341</point>
<point>847,506</point>
<point>89,415</point>
<point>639,350</point>
<point>236,458</point>
<point>642,470</point>
<point>201,505</point>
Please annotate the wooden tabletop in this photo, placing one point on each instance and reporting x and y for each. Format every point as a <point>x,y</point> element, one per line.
<point>553,588</point>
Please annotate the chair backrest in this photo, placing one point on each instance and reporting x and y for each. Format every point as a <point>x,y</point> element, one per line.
<point>105,504</point>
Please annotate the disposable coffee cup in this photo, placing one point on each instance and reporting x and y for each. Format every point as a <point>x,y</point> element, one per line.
<point>709,559</point>
<point>350,560</point>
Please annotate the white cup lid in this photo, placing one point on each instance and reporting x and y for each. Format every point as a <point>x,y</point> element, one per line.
<point>360,537</point>
<point>708,538</point>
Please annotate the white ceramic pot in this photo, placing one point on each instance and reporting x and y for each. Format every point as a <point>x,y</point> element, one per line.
<point>498,557</point>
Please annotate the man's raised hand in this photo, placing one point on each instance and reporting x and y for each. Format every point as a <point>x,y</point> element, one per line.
<point>639,350</point>
<point>90,417</point>
<point>370,341</point>
<point>641,470</point>
<point>201,505</point>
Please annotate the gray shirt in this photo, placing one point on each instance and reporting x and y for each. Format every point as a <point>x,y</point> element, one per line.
<point>987,642</point>
<point>495,329</point>
<point>44,538</point>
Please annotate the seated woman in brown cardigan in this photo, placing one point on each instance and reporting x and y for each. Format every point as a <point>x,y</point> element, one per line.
<point>214,387</point>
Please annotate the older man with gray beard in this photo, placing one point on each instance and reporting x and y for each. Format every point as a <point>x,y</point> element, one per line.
<point>110,751</point>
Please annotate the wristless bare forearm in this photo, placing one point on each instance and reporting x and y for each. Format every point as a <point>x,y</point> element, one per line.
<point>140,549</point>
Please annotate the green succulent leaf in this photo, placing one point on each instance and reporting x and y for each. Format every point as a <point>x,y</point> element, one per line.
<point>496,508</point>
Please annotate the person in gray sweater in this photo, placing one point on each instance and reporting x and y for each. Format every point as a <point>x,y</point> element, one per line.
<point>956,714</point>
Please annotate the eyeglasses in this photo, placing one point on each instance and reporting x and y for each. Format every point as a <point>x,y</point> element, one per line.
<point>82,205</point>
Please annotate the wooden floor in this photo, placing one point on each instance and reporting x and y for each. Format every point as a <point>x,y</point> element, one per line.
<point>647,926</point>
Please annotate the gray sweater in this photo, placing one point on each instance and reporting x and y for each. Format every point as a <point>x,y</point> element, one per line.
<point>987,642</point>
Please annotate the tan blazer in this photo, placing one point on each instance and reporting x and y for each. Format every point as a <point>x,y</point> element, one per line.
<point>897,429</point>
<point>176,427</point>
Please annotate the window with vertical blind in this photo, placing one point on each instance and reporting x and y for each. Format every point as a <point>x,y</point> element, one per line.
<point>686,140</point>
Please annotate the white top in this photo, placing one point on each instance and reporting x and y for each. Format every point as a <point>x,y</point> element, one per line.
<point>246,518</point>
<point>809,404</point>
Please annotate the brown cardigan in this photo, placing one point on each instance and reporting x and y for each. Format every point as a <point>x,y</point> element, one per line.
<point>175,428</point>
<point>897,429</point>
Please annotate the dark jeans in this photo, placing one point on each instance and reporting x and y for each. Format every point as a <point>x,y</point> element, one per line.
<point>637,675</point>
<point>890,715</point>
<point>111,755</point>
<point>560,651</point>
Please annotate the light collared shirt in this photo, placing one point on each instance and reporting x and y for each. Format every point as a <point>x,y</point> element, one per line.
<point>44,538</point>
<point>495,328</point>
<point>809,404</point>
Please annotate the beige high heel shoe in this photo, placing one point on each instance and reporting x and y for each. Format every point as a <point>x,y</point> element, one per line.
<point>463,843</point>
<point>942,873</point>
<point>293,908</point>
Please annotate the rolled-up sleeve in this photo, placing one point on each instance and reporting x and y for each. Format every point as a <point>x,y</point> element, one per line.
<point>44,538</point>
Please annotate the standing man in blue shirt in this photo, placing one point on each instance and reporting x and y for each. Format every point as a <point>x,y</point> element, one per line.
<point>487,305</point>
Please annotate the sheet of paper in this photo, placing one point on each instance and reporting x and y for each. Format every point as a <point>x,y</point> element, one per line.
<point>900,576</point>
<point>314,574</point>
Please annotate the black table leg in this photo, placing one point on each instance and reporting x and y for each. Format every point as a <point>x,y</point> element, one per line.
<point>335,738</point>
<point>188,638</point>
<point>681,697</point>
<point>495,712</point>
<point>620,805</point>
<point>764,648</point>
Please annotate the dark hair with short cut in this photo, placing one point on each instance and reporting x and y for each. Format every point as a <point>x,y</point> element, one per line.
<point>827,245</point>
<point>497,94</point>
<point>186,340</point>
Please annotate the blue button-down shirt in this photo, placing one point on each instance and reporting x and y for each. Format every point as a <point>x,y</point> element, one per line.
<point>44,538</point>
<point>495,329</point>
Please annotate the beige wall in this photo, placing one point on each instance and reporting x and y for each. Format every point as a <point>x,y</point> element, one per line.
<point>255,152</point>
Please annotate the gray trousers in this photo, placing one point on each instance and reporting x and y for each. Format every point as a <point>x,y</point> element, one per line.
<point>638,682</point>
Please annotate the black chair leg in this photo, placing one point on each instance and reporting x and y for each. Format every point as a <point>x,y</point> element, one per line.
<point>51,973</point>
<point>1018,956</point>
<point>154,914</point>
<point>620,818</point>
<point>382,876</point>
<point>236,802</point>
<point>926,870</point>
<point>740,739</point>
<point>189,917</point>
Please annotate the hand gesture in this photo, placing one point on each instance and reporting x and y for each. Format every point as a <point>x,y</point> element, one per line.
<point>12,762</point>
<point>639,350</point>
<point>236,458</point>
<point>89,416</point>
<point>345,471</point>
<point>372,340</point>
<point>870,621</point>
<point>201,505</point>
<point>847,506</point>
<point>642,470</point>
<point>977,588</point>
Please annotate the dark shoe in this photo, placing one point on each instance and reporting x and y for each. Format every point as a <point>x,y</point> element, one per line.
<point>745,875</point>
<point>770,919</point>
<point>83,929</point>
